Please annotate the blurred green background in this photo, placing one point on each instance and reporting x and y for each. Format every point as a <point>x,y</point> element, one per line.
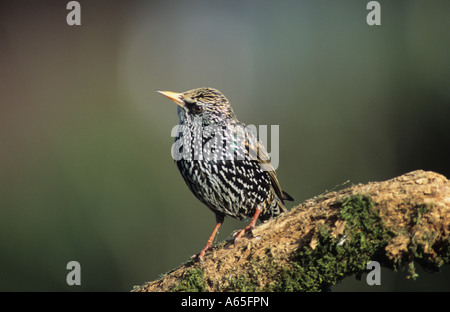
<point>85,166</point>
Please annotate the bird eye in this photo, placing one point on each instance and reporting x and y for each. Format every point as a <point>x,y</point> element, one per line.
<point>197,109</point>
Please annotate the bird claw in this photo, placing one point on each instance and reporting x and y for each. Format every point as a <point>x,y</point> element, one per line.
<point>238,235</point>
<point>199,257</point>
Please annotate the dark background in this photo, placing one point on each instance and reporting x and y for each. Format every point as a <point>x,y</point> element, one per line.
<point>85,166</point>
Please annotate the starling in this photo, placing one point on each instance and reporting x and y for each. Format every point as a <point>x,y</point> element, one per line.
<point>222,162</point>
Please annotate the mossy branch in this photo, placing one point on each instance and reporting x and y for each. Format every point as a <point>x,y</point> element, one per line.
<point>320,242</point>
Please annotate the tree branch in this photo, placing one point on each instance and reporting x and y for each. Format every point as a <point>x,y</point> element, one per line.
<point>331,236</point>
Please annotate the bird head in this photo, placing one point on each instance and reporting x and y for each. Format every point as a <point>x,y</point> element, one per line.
<point>206,103</point>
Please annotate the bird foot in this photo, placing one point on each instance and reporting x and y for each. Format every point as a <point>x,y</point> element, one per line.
<point>199,257</point>
<point>249,227</point>
<point>238,235</point>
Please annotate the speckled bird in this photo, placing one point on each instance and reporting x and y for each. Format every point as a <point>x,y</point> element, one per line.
<point>223,163</point>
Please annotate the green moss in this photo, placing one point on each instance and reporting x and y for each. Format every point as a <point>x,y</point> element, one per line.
<point>193,281</point>
<point>244,283</point>
<point>419,245</point>
<point>334,258</point>
<point>251,280</point>
<point>444,253</point>
<point>418,211</point>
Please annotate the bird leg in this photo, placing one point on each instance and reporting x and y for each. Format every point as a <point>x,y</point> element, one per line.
<point>209,243</point>
<point>250,226</point>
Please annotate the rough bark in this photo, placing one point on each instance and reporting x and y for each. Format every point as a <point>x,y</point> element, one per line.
<point>398,222</point>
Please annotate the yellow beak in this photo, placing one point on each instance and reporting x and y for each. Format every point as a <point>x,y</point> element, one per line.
<point>176,97</point>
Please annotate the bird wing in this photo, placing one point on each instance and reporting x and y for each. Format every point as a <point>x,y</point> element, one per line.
<point>258,152</point>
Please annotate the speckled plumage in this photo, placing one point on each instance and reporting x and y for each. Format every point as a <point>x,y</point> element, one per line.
<point>222,162</point>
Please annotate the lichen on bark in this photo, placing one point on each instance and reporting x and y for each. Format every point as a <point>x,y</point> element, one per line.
<point>399,222</point>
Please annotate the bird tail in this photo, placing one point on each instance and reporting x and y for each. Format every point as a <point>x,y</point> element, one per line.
<point>286,196</point>
<point>277,205</point>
